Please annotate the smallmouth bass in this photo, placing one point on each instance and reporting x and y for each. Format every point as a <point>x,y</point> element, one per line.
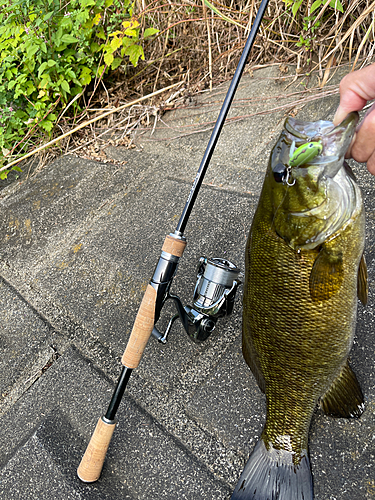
<point>304,270</point>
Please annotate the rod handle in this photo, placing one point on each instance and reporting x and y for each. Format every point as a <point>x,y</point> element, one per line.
<point>145,319</point>
<point>142,328</point>
<point>92,461</point>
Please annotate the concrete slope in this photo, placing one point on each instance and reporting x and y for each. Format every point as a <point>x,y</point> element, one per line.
<point>78,245</point>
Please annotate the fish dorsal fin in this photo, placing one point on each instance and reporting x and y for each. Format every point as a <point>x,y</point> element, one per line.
<point>362,282</point>
<point>326,275</point>
<point>344,398</point>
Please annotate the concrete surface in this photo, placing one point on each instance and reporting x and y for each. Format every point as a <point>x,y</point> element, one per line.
<point>78,244</point>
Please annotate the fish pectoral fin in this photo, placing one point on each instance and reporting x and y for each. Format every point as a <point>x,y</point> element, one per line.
<point>326,275</point>
<point>344,398</point>
<point>362,281</point>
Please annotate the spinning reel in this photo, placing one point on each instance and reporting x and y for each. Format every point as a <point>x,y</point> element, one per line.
<point>214,294</point>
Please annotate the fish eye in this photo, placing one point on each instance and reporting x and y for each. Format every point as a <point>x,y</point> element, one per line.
<point>279,172</point>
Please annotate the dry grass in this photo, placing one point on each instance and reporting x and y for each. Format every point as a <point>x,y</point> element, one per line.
<point>200,42</point>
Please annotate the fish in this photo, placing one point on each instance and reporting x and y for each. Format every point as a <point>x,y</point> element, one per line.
<point>304,272</point>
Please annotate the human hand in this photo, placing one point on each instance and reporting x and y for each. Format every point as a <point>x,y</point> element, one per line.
<point>355,90</point>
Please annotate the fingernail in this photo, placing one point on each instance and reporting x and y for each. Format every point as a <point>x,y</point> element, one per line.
<point>339,116</point>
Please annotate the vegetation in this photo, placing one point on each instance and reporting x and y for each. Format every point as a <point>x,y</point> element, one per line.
<point>59,57</point>
<point>50,52</point>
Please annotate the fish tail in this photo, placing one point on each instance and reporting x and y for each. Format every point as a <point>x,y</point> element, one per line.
<point>272,475</point>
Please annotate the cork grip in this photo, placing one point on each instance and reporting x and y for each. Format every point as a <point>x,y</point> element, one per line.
<point>174,246</point>
<point>143,325</point>
<point>92,461</point>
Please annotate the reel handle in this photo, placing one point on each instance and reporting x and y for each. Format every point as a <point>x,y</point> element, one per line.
<point>92,461</point>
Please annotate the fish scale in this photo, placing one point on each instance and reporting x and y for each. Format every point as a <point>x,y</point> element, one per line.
<point>299,309</point>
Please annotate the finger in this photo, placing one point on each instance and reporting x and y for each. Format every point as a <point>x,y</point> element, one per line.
<point>355,90</point>
<point>371,164</point>
<point>364,146</point>
<point>351,102</point>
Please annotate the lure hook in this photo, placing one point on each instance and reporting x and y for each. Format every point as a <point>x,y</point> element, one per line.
<point>288,175</point>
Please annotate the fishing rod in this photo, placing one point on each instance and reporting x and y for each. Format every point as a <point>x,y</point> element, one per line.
<point>214,293</point>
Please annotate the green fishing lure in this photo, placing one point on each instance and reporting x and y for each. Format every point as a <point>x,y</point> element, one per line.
<point>305,153</point>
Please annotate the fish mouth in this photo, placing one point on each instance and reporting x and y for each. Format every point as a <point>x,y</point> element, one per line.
<point>324,196</point>
<point>334,139</point>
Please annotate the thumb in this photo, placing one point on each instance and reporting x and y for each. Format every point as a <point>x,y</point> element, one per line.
<point>356,89</point>
<point>340,114</point>
<point>349,101</point>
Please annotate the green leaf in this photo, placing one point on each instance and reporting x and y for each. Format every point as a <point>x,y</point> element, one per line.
<point>336,4</point>
<point>315,5</point>
<point>42,67</point>
<point>130,32</point>
<point>46,125</point>
<point>85,76</point>
<point>135,52</point>
<point>94,47</point>
<point>69,38</point>
<point>65,86</point>
<point>31,50</point>
<point>86,3</point>
<point>116,63</point>
<point>100,34</point>
<point>4,174</point>
<point>30,88</point>
<point>44,81</point>
<point>44,47</point>
<point>296,6</point>
<point>127,42</point>
<point>65,21</point>
<point>150,32</point>
<point>108,58</point>
<point>16,167</point>
<point>51,63</point>
<point>70,73</point>
<point>48,16</point>
<point>116,43</point>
